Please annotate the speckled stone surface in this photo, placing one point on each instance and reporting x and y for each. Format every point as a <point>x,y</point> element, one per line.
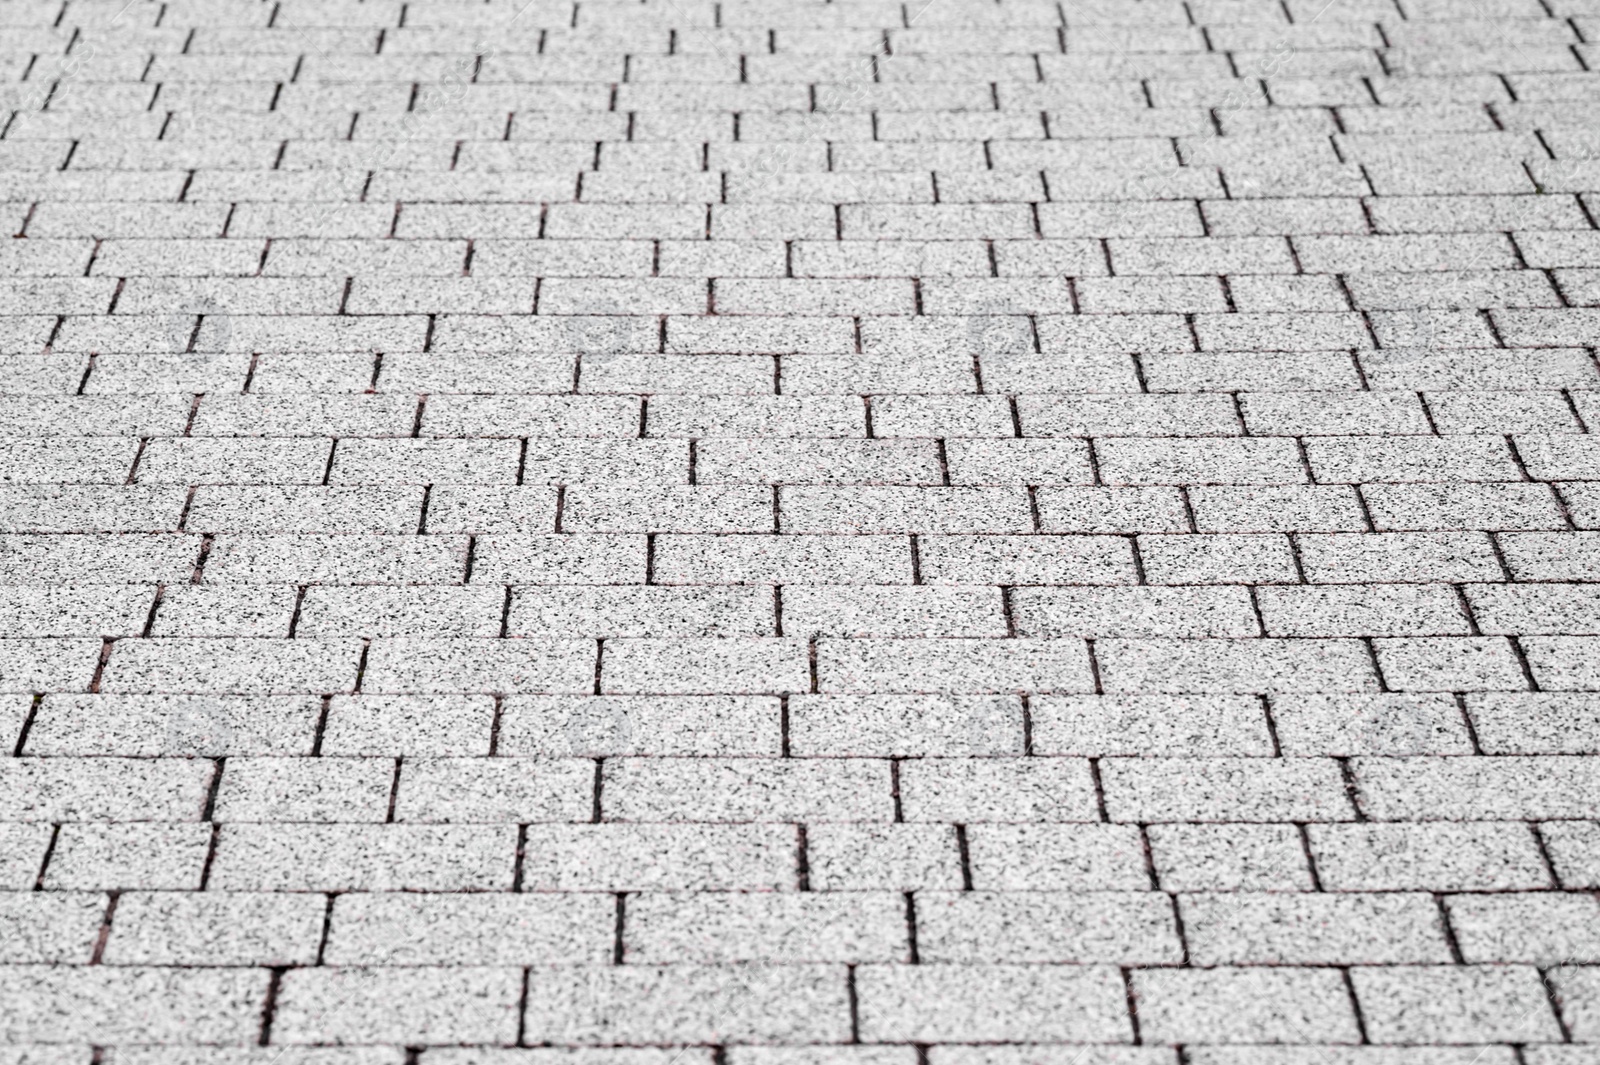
<point>799,532</point>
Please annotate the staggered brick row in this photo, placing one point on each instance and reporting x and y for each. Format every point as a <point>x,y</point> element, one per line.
<point>738,532</point>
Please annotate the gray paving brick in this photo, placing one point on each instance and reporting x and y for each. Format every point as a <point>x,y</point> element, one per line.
<point>1284,508</point>
<point>231,665</point>
<point>413,1006</point>
<point>753,1002</point>
<point>207,1055</point>
<point>1449,1004</point>
<point>1532,722</point>
<point>992,1002</point>
<point>1345,725</point>
<point>490,790</point>
<point>772,559</point>
<point>102,790</point>
<point>1485,856</point>
<point>323,559</point>
<point>1313,929</point>
<point>1260,665</point>
<point>1391,556</point>
<point>1449,664</point>
<point>678,857</point>
<point>941,665</point>
<point>1541,929</point>
<point>303,790</point>
<point>366,857</point>
<point>422,664</point>
<point>303,509</point>
<point>1025,560</point>
<point>797,927</point>
<point>1134,725</point>
<point>1244,1005</point>
<point>1056,857</point>
<point>226,928</point>
<point>1131,928</point>
<point>444,930</point>
<point>1232,789</point>
<point>102,857</point>
<point>1504,788</point>
<point>918,725</point>
<point>1136,611</point>
<point>906,857</point>
<point>604,725</point>
<point>1229,857</point>
<point>641,612</point>
<point>58,928</point>
<point>747,790</point>
<point>1224,558</point>
<point>159,1005</point>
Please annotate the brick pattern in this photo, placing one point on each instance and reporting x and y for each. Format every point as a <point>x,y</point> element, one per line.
<point>961,532</point>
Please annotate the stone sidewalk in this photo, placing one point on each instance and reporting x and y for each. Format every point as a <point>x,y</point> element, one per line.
<point>958,532</point>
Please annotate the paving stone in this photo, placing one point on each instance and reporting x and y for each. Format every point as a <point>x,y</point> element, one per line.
<point>1231,789</point>
<point>1149,725</point>
<point>154,1005</point>
<point>1243,1005</point>
<point>683,857</point>
<point>225,928</point>
<point>1532,722</point>
<point>1370,724</point>
<point>377,929</point>
<point>744,790</point>
<point>916,725</point>
<point>114,857</point>
<point>412,1006</point>
<point>1019,790</point>
<point>1483,856</point>
<point>1542,929</point>
<point>906,857</point>
<point>603,725</point>
<point>990,1002</point>
<point>755,1002</point>
<point>982,926</point>
<point>1229,857</point>
<point>367,857</point>
<point>745,534</point>
<point>303,789</point>
<point>1313,929</point>
<point>1056,857</point>
<point>1469,1004</point>
<point>797,927</point>
<point>1513,787</point>
<point>58,928</point>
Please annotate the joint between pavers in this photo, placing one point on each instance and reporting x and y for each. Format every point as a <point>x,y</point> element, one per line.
<point>619,943</point>
<point>269,1005</point>
<point>1098,780</point>
<point>1355,1005</point>
<point>211,855</point>
<point>327,927</point>
<point>49,852</point>
<point>1447,929</point>
<point>1352,787</point>
<point>1131,1001</point>
<point>98,952</point>
<point>802,858</point>
<point>394,789</point>
<point>1304,832</point>
<point>27,724</point>
<point>913,953</point>
<point>106,645</point>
